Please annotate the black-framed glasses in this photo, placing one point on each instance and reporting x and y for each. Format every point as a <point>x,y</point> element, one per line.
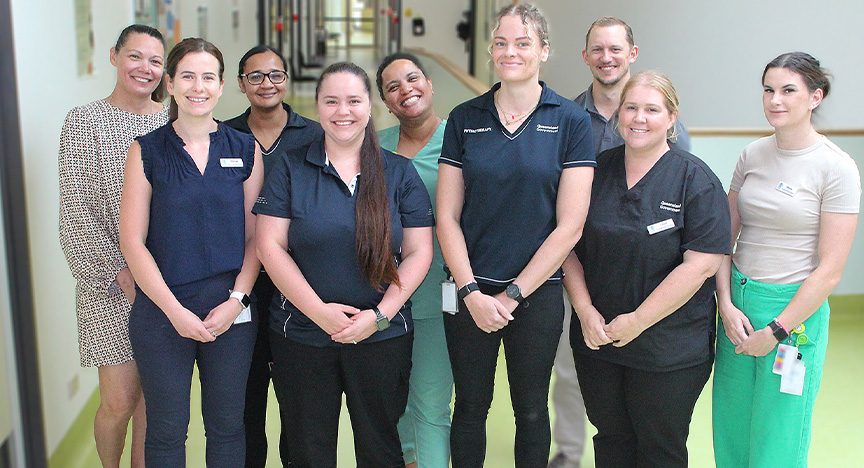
<point>256,78</point>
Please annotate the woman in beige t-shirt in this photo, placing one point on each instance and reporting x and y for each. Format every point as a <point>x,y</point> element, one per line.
<point>794,201</point>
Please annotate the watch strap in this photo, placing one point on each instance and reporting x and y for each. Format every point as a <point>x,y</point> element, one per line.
<point>778,330</point>
<point>244,298</point>
<point>464,291</point>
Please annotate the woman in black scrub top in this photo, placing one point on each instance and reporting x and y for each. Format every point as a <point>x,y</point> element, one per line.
<point>641,283</point>
<point>512,195</point>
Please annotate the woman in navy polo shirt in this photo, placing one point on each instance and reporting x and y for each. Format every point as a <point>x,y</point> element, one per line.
<point>277,128</point>
<point>641,283</point>
<point>345,232</point>
<point>186,231</point>
<point>513,188</point>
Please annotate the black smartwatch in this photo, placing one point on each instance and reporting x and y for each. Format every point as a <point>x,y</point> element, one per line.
<point>513,292</point>
<point>777,329</point>
<point>381,321</point>
<point>464,291</point>
<point>244,298</point>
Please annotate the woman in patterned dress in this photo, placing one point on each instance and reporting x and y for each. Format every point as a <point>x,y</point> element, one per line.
<point>93,147</point>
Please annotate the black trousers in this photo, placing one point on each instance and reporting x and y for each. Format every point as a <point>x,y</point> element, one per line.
<point>309,384</point>
<point>258,384</point>
<point>642,418</point>
<point>530,343</point>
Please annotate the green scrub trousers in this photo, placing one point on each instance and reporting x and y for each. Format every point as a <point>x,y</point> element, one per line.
<point>754,424</point>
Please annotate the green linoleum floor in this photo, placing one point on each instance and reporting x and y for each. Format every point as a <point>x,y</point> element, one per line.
<point>838,430</point>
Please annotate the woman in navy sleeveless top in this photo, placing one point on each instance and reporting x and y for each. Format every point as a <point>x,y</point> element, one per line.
<point>186,230</point>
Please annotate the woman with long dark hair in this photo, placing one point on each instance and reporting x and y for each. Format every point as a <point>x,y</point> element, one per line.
<point>263,78</point>
<point>794,199</point>
<point>187,231</point>
<point>345,232</point>
<point>513,189</point>
<point>93,146</point>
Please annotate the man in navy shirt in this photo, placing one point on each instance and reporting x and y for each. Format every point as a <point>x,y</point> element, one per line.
<point>609,52</point>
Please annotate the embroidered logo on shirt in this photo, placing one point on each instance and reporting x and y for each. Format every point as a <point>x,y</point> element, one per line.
<point>477,130</point>
<point>547,129</point>
<point>673,207</point>
<point>786,189</point>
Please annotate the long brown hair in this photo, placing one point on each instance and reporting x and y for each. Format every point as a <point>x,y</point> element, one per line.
<point>188,46</point>
<point>372,210</point>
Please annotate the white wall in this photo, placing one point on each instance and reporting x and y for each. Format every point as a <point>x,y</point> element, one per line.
<point>440,19</point>
<point>715,52</point>
<point>48,87</point>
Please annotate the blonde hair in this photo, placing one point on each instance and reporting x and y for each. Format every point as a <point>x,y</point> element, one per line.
<point>530,16</point>
<point>660,82</point>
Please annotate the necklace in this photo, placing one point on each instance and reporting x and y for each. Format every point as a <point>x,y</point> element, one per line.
<point>514,118</point>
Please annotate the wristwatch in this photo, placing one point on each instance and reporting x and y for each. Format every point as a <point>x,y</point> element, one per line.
<point>244,298</point>
<point>464,291</point>
<point>513,292</point>
<point>778,330</point>
<point>381,321</point>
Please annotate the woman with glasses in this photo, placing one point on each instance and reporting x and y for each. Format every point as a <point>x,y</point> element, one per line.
<point>187,231</point>
<point>277,129</point>
<point>93,147</point>
<point>513,189</point>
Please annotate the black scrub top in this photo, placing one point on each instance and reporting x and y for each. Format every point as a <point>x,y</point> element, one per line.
<point>305,188</point>
<point>511,179</point>
<point>634,238</point>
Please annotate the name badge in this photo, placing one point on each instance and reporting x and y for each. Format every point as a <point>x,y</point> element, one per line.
<point>786,189</point>
<point>245,316</point>
<point>231,162</point>
<point>661,226</point>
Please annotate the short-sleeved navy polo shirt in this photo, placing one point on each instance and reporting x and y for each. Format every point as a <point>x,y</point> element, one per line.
<point>634,238</point>
<point>511,179</point>
<point>298,131</point>
<point>305,188</point>
<point>197,221</point>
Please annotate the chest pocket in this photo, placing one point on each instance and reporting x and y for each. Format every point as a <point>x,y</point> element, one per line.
<point>662,233</point>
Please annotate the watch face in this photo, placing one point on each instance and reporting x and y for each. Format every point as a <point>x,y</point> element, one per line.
<point>382,323</point>
<point>513,291</point>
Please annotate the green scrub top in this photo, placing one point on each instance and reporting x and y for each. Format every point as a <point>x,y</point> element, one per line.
<point>426,301</point>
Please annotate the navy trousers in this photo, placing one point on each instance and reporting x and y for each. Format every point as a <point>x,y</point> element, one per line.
<point>165,362</point>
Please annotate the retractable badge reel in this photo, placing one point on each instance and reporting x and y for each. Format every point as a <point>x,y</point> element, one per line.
<point>789,364</point>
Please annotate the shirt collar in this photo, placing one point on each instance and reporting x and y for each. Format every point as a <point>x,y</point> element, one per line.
<point>316,155</point>
<point>294,119</point>
<point>487,100</point>
<point>589,100</point>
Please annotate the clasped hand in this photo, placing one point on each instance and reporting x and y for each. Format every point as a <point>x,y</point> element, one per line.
<point>488,312</point>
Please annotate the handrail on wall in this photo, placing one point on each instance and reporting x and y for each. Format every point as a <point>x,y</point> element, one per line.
<point>469,81</point>
<point>760,132</point>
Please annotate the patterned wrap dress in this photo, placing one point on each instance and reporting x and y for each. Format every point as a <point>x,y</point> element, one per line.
<point>93,146</point>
